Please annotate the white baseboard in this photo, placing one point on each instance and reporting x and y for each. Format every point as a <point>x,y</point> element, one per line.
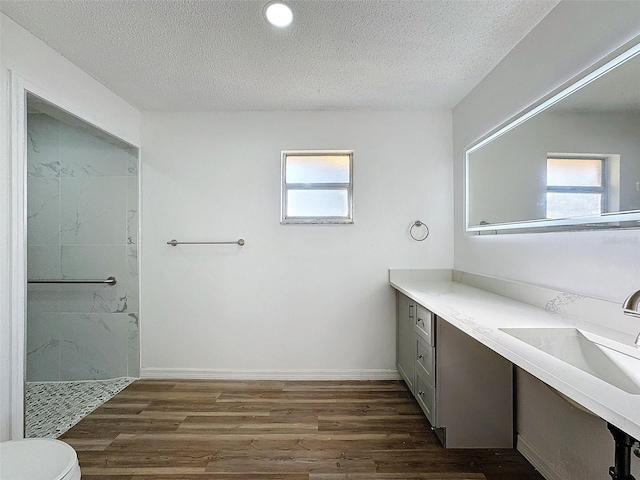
<point>529,452</point>
<point>206,374</point>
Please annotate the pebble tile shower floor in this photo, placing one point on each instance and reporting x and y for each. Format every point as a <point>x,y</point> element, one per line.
<point>52,408</point>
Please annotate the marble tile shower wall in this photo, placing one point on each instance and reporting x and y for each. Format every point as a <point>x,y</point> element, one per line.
<point>82,211</point>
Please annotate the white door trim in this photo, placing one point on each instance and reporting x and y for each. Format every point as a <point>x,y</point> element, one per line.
<point>18,253</point>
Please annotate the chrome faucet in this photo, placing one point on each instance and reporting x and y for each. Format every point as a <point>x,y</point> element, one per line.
<point>631,307</point>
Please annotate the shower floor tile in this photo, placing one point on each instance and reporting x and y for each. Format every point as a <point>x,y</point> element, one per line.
<point>52,408</point>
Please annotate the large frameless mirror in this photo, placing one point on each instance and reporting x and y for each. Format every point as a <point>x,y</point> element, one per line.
<point>572,162</point>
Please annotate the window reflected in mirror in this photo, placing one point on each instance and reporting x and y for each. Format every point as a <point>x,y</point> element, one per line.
<point>576,187</point>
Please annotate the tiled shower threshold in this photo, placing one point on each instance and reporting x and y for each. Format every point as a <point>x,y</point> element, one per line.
<point>52,408</point>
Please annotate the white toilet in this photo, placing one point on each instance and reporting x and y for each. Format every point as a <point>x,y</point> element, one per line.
<point>38,459</point>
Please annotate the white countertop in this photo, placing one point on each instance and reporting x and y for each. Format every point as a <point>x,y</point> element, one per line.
<point>481,315</point>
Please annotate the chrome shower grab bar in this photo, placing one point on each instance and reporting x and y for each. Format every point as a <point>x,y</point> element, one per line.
<point>174,242</point>
<point>107,281</point>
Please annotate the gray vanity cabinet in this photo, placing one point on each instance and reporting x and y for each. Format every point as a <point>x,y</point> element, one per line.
<point>405,347</point>
<point>464,388</point>
<point>425,363</point>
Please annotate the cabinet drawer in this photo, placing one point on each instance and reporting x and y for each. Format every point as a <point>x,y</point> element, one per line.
<point>425,361</point>
<point>426,396</point>
<point>424,324</point>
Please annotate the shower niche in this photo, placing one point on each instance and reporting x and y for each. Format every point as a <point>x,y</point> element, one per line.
<point>82,226</point>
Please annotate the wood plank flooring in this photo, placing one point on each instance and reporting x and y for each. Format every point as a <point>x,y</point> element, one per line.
<point>206,430</point>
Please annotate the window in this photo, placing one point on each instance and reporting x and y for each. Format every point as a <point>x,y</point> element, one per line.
<point>317,186</point>
<point>576,186</point>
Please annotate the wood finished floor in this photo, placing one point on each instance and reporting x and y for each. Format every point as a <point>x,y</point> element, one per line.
<point>206,430</point>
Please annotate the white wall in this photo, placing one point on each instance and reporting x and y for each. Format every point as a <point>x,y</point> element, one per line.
<point>54,77</point>
<point>600,264</point>
<point>295,301</point>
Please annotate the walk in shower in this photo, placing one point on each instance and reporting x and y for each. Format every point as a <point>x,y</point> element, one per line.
<point>82,228</point>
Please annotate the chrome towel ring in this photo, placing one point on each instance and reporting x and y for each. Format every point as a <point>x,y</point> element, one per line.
<point>416,235</point>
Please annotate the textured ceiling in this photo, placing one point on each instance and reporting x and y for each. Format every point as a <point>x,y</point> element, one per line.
<point>170,55</point>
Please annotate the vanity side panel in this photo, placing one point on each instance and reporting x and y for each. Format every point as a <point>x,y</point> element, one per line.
<point>475,391</point>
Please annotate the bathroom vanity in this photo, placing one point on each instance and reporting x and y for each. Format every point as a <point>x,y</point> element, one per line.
<point>461,373</point>
<point>464,388</point>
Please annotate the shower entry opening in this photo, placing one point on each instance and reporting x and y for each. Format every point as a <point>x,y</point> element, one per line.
<point>82,309</point>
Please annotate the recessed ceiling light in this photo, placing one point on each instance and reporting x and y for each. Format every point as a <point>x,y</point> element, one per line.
<point>278,14</point>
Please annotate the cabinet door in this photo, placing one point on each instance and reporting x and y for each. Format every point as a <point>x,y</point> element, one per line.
<point>406,343</point>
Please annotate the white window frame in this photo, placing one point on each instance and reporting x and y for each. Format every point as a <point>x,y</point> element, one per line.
<point>285,187</point>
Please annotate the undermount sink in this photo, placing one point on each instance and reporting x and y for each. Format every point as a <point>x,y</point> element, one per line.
<point>585,351</point>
